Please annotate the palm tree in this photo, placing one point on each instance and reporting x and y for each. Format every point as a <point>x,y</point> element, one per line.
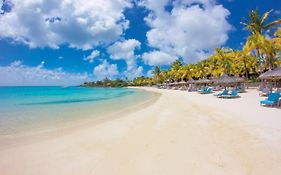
<point>256,24</point>
<point>201,69</point>
<point>256,41</point>
<point>224,60</point>
<point>244,64</point>
<point>156,72</point>
<point>176,65</point>
<point>266,50</point>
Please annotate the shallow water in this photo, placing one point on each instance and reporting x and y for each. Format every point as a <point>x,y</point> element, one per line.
<point>24,109</point>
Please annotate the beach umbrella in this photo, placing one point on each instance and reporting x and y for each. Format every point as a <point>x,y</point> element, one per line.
<point>203,81</point>
<point>191,81</point>
<point>271,74</point>
<point>225,79</point>
<point>182,82</point>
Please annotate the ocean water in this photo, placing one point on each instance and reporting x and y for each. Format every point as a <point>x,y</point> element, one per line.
<point>27,109</point>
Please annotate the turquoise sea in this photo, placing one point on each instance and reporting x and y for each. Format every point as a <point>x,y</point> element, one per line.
<point>25,109</point>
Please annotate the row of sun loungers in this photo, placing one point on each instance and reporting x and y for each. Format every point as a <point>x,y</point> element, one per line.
<point>224,94</point>
<point>273,97</point>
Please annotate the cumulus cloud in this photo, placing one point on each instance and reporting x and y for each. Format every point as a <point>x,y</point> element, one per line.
<point>125,50</point>
<point>92,56</point>
<point>18,74</point>
<point>105,70</point>
<point>190,30</point>
<point>159,58</point>
<point>80,24</point>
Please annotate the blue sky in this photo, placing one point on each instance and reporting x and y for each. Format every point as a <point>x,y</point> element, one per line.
<point>53,42</point>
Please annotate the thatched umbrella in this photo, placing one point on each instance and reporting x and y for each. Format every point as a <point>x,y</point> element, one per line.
<point>271,75</point>
<point>203,81</point>
<point>228,80</point>
<point>190,81</point>
<point>225,79</point>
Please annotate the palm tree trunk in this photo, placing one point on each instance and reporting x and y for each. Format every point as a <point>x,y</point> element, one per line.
<point>246,70</point>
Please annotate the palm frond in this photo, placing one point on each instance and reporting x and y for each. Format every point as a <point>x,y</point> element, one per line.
<point>272,24</point>
<point>265,16</point>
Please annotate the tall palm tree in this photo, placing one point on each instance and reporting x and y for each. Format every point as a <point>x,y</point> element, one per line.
<point>257,43</point>
<point>256,24</point>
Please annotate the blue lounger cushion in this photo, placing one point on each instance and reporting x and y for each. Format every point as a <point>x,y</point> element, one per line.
<point>273,98</point>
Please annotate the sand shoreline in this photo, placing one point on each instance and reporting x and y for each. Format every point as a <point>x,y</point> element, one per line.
<point>36,135</point>
<point>179,133</point>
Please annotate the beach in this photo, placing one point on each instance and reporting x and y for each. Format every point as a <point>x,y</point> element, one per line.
<point>178,132</point>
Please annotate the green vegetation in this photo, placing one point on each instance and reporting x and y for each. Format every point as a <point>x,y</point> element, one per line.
<point>107,83</point>
<point>259,54</point>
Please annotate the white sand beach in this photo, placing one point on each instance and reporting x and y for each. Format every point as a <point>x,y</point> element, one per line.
<point>179,133</point>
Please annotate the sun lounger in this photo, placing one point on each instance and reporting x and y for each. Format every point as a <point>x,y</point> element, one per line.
<point>224,92</point>
<point>233,94</point>
<point>202,90</point>
<point>271,100</point>
<point>207,91</point>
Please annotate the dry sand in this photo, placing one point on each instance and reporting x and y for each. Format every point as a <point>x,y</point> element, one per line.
<point>180,133</point>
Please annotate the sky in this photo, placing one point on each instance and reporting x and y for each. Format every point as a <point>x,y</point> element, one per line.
<point>67,42</point>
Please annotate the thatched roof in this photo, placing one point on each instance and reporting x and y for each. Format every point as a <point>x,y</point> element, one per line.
<point>225,79</point>
<point>190,81</point>
<point>272,74</point>
<point>203,80</point>
<point>182,82</point>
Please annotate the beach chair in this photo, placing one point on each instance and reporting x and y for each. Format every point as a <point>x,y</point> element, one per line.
<point>224,92</point>
<point>202,90</point>
<point>271,100</point>
<point>207,91</point>
<point>233,94</point>
<point>238,88</point>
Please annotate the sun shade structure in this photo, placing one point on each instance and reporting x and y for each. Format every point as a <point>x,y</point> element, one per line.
<point>225,79</point>
<point>182,82</point>
<point>271,75</point>
<point>203,81</point>
<point>191,81</point>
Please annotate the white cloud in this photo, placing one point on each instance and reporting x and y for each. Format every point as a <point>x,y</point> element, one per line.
<point>81,24</point>
<point>18,74</point>
<point>133,73</point>
<point>158,58</point>
<point>125,50</point>
<point>191,29</point>
<point>92,56</point>
<point>104,70</point>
